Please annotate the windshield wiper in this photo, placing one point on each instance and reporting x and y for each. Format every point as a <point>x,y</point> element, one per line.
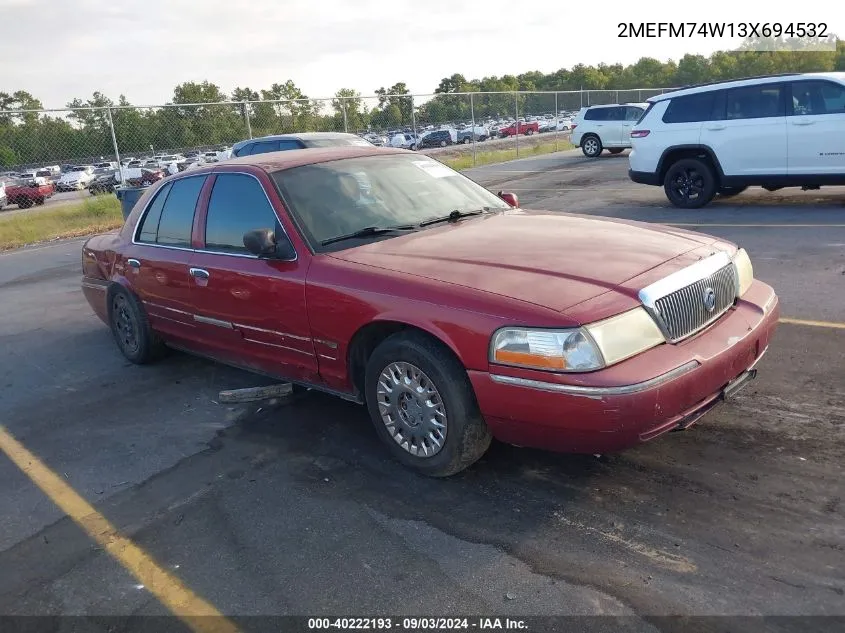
<point>453,216</point>
<point>369,230</point>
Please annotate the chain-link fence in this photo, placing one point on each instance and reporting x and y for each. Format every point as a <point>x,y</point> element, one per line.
<point>193,133</point>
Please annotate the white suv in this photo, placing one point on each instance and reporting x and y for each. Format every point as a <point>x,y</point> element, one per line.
<point>777,131</point>
<point>605,127</point>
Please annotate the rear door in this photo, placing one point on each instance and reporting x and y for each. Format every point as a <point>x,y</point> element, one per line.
<point>748,134</point>
<point>816,128</point>
<point>157,262</point>
<point>632,115</point>
<point>607,123</point>
<point>250,310</point>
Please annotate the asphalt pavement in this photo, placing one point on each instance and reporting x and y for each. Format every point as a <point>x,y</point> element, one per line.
<point>296,509</point>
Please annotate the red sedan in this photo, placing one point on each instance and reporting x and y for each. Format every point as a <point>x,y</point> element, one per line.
<point>387,278</point>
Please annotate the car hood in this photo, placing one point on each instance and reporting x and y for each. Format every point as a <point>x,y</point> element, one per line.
<point>554,260</point>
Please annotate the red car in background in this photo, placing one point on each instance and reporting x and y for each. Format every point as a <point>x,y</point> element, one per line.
<point>387,278</point>
<point>26,193</point>
<point>522,127</point>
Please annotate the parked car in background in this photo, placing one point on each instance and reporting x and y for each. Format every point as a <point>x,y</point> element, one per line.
<point>28,192</point>
<point>719,139</point>
<point>438,138</point>
<point>404,140</point>
<point>33,176</point>
<point>105,181</point>
<point>597,128</point>
<point>3,199</point>
<point>283,142</point>
<point>480,133</point>
<point>143,176</point>
<point>76,178</point>
<point>520,127</point>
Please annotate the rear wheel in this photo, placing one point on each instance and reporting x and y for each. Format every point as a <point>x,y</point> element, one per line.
<point>39,201</point>
<point>423,407</point>
<point>591,146</point>
<point>529,132</point>
<point>689,183</point>
<point>24,203</point>
<point>131,329</point>
<point>467,141</point>
<point>616,150</point>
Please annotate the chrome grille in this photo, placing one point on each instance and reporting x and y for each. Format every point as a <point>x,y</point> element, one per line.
<point>683,312</point>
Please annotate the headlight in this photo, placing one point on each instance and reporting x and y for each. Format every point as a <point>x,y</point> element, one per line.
<point>744,272</point>
<point>625,335</point>
<point>549,350</point>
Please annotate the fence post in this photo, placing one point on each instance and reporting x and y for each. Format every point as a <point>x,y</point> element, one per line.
<point>639,96</point>
<point>345,115</point>
<point>472,116</point>
<point>114,143</point>
<point>246,116</point>
<point>557,121</point>
<point>414,122</point>
<point>516,124</point>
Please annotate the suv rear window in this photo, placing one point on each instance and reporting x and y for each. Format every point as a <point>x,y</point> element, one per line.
<point>691,108</point>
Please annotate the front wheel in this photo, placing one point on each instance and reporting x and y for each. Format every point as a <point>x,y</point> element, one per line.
<point>423,406</point>
<point>591,146</point>
<point>24,203</point>
<point>689,183</point>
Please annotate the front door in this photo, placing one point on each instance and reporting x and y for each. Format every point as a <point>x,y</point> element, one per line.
<point>250,310</point>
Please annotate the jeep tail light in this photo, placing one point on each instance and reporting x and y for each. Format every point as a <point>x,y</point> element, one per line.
<point>640,133</point>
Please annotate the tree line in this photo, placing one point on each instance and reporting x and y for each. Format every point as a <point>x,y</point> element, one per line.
<point>33,137</point>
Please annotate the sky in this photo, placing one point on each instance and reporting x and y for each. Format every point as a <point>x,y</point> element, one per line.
<point>58,50</point>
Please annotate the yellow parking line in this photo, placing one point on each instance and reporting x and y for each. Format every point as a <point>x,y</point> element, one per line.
<point>830,324</point>
<point>788,226</point>
<point>184,603</point>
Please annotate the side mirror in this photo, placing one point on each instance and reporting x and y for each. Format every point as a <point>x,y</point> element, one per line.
<point>510,198</point>
<point>262,243</point>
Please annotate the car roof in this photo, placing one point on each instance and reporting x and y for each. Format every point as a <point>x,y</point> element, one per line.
<point>302,136</point>
<point>288,159</point>
<point>745,81</point>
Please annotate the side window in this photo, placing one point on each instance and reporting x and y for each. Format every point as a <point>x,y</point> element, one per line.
<point>290,143</point>
<point>690,109</point>
<point>596,114</point>
<point>238,204</point>
<point>263,147</point>
<point>149,225</point>
<point>756,102</point>
<point>245,150</point>
<point>633,114</point>
<point>817,97</point>
<point>177,216</point>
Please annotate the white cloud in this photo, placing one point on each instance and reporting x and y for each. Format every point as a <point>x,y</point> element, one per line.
<point>62,50</point>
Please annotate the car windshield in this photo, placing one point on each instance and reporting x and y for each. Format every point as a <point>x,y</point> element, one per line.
<point>344,196</point>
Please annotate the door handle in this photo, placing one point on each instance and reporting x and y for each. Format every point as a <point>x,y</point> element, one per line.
<point>716,128</point>
<point>802,122</point>
<point>134,263</point>
<point>199,273</point>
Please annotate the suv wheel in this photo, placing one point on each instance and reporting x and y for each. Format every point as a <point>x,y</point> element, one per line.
<point>689,183</point>
<point>591,146</point>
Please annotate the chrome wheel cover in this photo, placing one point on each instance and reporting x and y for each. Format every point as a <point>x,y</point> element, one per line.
<point>591,146</point>
<point>412,409</point>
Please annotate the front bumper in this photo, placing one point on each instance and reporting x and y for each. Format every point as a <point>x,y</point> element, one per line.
<point>667,388</point>
<point>644,177</point>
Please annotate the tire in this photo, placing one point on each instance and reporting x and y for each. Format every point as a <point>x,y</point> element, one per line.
<point>616,150</point>
<point>689,183</point>
<point>24,203</point>
<point>529,132</point>
<point>131,328</point>
<point>39,201</point>
<point>728,192</point>
<point>419,358</point>
<point>591,146</point>
<point>442,143</point>
<point>467,141</point>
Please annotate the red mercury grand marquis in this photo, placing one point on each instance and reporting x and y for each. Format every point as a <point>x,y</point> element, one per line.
<point>387,278</point>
